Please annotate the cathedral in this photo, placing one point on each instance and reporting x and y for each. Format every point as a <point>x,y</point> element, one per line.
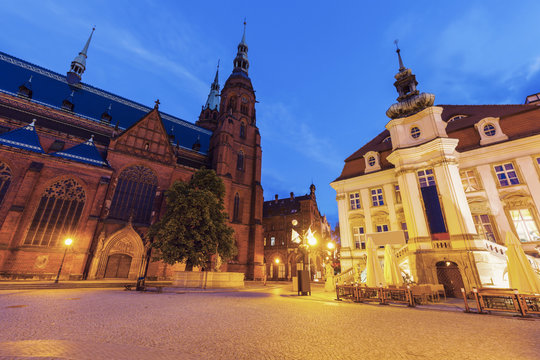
<point>444,184</point>
<point>82,163</point>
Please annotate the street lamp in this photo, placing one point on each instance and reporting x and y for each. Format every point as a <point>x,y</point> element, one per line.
<point>67,243</point>
<point>304,240</point>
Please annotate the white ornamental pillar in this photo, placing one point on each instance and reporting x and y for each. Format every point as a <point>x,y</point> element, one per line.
<point>345,232</point>
<point>366,205</point>
<point>494,200</point>
<point>389,190</point>
<point>412,207</point>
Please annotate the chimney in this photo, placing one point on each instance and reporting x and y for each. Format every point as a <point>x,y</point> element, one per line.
<point>292,195</point>
<point>276,197</point>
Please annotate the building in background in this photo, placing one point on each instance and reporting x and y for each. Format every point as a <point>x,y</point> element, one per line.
<point>444,184</point>
<point>283,257</point>
<point>80,162</point>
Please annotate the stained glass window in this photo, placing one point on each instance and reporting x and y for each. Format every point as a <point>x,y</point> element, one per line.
<point>134,195</point>
<point>5,180</point>
<point>57,214</point>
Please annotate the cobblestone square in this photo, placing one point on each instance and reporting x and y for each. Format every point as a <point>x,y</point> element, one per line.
<point>256,323</point>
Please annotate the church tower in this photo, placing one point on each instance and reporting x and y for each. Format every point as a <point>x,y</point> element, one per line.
<point>236,156</point>
<point>78,65</point>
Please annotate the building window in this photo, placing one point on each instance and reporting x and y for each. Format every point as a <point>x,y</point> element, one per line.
<point>484,227</point>
<point>382,228</point>
<point>236,208</point>
<point>387,139</point>
<point>525,225</point>
<point>240,161</point>
<point>377,197</point>
<point>242,130</point>
<point>134,195</point>
<point>5,180</point>
<point>426,178</point>
<point>264,242</point>
<point>281,271</point>
<point>57,214</point>
<point>406,231</point>
<point>398,194</point>
<point>490,130</point>
<point>355,201</point>
<point>358,236</point>
<point>415,132</point>
<point>538,161</point>
<point>506,174</point>
<point>469,181</point>
<point>456,117</point>
<point>272,241</point>
<point>371,161</point>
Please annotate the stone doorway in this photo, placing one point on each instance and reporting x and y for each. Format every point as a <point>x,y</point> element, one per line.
<point>449,275</point>
<point>118,266</point>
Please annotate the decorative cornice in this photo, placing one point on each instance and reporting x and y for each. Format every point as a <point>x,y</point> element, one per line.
<point>410,106</point>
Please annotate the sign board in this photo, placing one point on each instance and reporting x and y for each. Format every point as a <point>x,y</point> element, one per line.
<point>387,237</point>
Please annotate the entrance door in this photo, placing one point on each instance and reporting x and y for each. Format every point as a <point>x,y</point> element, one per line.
<point>449,275</point>
<point>118,266</point>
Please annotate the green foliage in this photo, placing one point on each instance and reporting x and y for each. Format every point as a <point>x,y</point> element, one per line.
<point>194,226</point>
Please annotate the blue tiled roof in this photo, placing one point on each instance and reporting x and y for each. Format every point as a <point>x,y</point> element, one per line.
<point>85,152</point>
<point>51,88</point>
<point>22,138</point>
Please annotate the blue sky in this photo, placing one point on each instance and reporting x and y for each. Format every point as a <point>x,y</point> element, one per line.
<point>323,72</point>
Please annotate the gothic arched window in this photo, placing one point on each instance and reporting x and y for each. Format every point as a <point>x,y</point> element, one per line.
<point>134,195</point>
<point>5,180</point>
<point>242,130</point>
<point>232,104</point>
<point>57,214</point>
<point>240,161</point>
<point>236,208</point>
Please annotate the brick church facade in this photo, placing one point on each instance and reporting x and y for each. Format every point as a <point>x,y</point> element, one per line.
<point>79,162</point>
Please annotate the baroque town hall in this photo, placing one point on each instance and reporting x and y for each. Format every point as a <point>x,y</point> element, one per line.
<point>80,162</point>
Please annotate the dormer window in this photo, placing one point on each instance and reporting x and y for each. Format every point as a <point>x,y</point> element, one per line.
<point>490,130</point>
<point>415,132</point>
<point>372,161</point>
<point>387,139</point>
<point>456,117</point>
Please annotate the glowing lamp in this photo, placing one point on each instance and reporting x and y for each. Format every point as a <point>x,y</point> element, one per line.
<point>68,241</point>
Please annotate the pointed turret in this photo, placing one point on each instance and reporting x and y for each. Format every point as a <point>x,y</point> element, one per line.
<point>212,102</point>
<point>410,100</point>
<point>78,65</point>
<point>241,62</point>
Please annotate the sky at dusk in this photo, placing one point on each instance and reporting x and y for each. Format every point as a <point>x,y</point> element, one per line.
<point>323,71</point>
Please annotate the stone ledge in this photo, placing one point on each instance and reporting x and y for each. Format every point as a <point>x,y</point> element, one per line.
<point>208,279</point>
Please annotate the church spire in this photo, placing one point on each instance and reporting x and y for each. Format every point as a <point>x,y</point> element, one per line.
<point>410,100</point>
<point>241,62</point>
<point>78,65</point>
<point>212,102</point>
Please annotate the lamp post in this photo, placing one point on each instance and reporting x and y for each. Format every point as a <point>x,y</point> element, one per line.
<point>67,243</point>
<point>305,240</point>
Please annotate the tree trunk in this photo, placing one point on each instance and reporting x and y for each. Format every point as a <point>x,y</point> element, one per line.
<point>189,266</point>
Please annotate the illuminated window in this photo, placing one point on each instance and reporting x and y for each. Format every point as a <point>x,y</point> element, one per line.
<point>426,178</point>
<point>371,161</point>
<point>57,214</point>
<point>469,181</point>
<point>489,130</point>
<point>484,227</point>
<point>382,228</point>
<point>358,236</point>
<point>134,195</point>
<point>354,200</point>
<point>281,270</point>
<point>398,194</point>
<point>264,241</point>
<point>377,197</point>
<point>525,225</point>
<point>506,174</point>
<point>415,132</point>
<point>5,180</point>
<point>272,241</point>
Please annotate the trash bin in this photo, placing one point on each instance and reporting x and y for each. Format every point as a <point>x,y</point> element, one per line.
<point>304,285</point>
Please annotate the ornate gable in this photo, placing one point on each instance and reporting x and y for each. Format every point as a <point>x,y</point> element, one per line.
<point>146,138</point>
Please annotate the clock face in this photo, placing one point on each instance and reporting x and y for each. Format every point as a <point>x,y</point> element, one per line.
<point>244,99</point>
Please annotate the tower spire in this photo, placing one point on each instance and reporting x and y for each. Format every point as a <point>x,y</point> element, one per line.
<point>401,66</point>
<point>78,65</point>
<point>212,102</point>
<point>241,62</point>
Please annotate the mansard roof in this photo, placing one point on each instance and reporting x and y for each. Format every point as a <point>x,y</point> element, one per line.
<point>25,138</point>
<point>283,206</point>
<point>461,120</point>
<point>85,152</point>
<point>50,88</point>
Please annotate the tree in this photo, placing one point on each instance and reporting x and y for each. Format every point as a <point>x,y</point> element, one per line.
<point>194,226</point>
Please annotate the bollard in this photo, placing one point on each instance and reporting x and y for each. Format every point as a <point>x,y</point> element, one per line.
<point>337,293</point>
<point>409,294</point>
<point>475,292</point>
<point>467,309</point>
<point>382,300</point>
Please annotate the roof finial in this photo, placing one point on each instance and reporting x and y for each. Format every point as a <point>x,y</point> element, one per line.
<point>85,49</point>
<point>244,36</point>
<point>156,106</point>
<point>401,66</point>
<point>78,65</point>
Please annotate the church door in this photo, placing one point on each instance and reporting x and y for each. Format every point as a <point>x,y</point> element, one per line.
<point>449,275</point>
<point>118,266</point>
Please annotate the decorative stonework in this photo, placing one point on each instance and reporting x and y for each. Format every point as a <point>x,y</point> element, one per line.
<point>41,261</point>
<point>410,106</point>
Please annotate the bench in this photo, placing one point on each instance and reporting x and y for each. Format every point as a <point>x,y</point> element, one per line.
<point>156,288</point>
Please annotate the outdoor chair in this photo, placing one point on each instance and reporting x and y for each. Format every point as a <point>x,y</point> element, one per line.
<point>439,288</point>
<point>419,292</point>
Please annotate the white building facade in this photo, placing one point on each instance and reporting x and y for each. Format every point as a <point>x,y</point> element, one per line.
<point>444,184</point>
